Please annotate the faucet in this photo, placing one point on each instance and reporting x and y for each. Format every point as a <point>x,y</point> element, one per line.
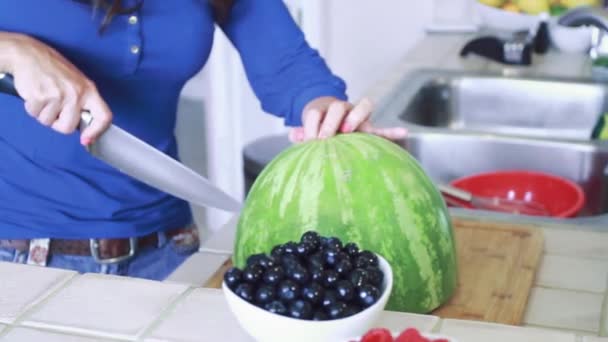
<point>593,16</point>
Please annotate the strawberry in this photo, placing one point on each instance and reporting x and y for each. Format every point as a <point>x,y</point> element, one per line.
<point>378,335</point>
<point>410,335</point>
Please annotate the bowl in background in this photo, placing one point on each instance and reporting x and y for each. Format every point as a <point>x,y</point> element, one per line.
<point>570,39</point>
<point>500,19</point>
<point>268,327</point>
<point>562,197</point>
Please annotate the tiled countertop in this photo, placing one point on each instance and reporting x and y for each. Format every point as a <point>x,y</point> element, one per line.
<point>41,304</point>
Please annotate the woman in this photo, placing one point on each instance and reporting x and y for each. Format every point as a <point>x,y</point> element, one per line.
<point>126,62</point>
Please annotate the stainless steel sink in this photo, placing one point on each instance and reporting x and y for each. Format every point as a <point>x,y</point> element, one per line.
<point>446,157</point>
<point>547,108</point>
<point>463,123</point>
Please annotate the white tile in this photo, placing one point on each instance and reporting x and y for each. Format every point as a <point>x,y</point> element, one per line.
<point>595,339</point>
<point>222,241</point>
<point>470,331</point>
<point>565,272</point>
<point>571,242</point>
<point>203,315</point>
<point>198,268</point>
<point>2,327</point>
<point>399,321</point>
<point>21,334</point>
<point>107,306</point>
<point>23,286</point>
<point>564,309</point>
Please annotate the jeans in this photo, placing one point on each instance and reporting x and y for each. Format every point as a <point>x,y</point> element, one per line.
<point>148,263</point>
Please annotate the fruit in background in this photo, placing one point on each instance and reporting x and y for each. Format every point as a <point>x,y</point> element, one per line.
<point>362,189</point>
<point>511,7</point>
<point>576,3</point>
<point>533,6</point>
<point>493,3</point>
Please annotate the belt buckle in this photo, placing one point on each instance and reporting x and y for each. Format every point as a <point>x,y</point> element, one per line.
<point>94,244</point>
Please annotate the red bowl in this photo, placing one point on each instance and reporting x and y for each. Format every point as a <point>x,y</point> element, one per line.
<point>561,197</point>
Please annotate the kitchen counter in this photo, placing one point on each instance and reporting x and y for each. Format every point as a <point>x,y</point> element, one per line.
<point>41,304</point>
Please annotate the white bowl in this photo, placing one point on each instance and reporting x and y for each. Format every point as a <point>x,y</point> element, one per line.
<point>500,19</point>
<point>570,39</point>
<point>265,326</point>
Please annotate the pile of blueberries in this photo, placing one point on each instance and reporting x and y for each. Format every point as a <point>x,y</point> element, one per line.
<point>317,278</point>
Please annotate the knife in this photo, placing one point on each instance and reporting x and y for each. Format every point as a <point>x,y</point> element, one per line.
<point>135,158</point>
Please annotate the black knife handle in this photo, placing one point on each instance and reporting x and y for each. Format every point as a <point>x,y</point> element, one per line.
<point>7,84</point>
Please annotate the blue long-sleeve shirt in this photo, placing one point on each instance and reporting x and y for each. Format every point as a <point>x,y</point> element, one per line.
<point>51,187</point>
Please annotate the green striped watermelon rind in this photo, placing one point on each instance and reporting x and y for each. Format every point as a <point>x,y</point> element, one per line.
<point>420,247</point>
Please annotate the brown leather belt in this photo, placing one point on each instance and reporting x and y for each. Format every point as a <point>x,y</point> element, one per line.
<point>105,249</point>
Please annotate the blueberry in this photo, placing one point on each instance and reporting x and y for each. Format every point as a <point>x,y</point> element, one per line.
<point>330,297</point>
<point>343,267</point>
<point>288,290</point>
<point>233,277</point>
<point>245,291</point>
<point>277,252</point>
<point>299,274</point>
<point>289,260</point>
<point>333,242</point>
<point>300,309</point>
<point>345,290</point>
<point>366,259</point>
<point>303,249</point>
<point>359,277</point>
<point>337,310</point>
<point>316,273</point>
<point>316,259</point>
<point>274,275</point>
<point>312,238</point>
<point>313,293</point>
<point>253,274</point>
<point>351,310</point>
<point>375,276</point>
<point>319,315</point>
<point>330,256</point>
<point>276,307</point>
<point>367,295</point>
<point>329,278</point>
<point>290,247</point>
<point>254,259</point>
<point>265,294</point>
<point>351,249</point>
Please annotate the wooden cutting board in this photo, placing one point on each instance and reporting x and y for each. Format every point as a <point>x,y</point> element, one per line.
<point>497,265</point>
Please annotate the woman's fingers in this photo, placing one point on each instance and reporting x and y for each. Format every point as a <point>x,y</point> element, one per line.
<point>102,118</point>
<point>333,119</point>
<point>312,121</point>
<point>392,133</point>
<point>69,117</point>
<point>296,135</point>
<point>357,116</point>
<point>33,107</point>
<point>50,112</point>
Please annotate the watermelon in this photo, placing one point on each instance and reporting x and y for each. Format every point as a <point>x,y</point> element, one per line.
<point>362,189</point>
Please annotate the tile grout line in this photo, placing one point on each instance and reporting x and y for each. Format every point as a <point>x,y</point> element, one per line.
<point>169,309</point>
<point>47,296</point>
<point>576,332</point>
<point>603,312</point>
<point>438,325</point>
<point>569,290</point>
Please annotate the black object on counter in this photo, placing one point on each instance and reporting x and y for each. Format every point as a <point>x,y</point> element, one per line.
<point>516,51</point>
<point>542,41</point>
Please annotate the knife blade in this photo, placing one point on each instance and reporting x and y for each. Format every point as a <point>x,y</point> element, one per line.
<point>134,157</point>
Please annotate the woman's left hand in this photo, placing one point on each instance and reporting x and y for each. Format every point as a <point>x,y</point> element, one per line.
<point>324,117</point>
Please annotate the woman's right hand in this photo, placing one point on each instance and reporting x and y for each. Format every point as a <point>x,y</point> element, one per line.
<point>54,90</point>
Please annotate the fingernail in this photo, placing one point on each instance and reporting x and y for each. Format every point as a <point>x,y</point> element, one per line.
<point>346,128</point>
<point>85,141</point>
